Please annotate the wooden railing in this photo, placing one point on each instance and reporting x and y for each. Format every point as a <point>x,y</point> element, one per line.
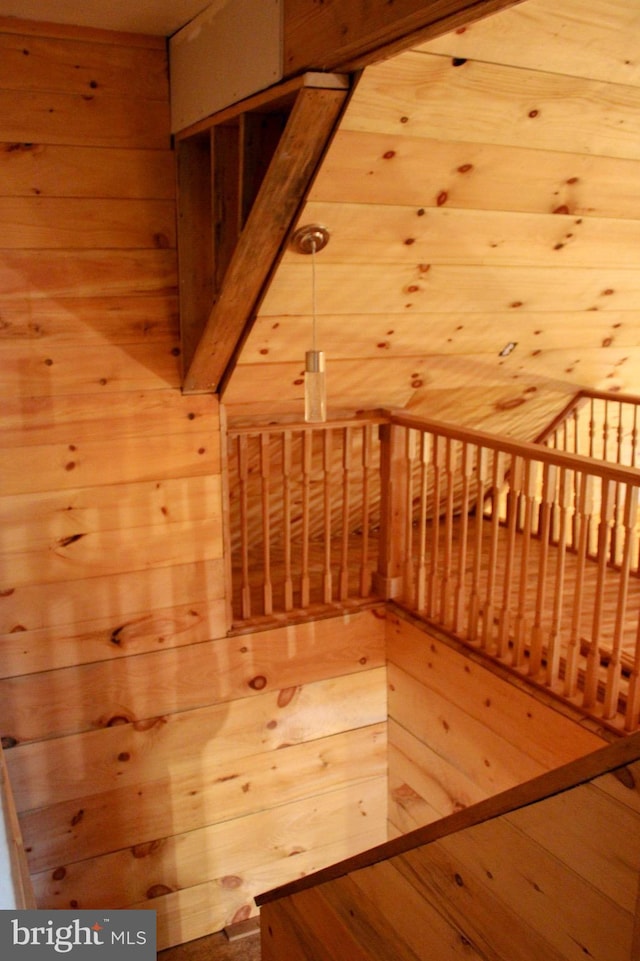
<point>597,424</point>
<point>304,516</point>
<point>605,427</point>
<point>522,551</point>
<point>491,540</point>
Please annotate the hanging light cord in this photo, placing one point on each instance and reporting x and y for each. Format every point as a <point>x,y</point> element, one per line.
<point>313,293</point>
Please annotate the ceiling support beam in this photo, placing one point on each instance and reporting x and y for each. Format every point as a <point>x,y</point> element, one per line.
<point>347,35</point>
<point>313,117</point>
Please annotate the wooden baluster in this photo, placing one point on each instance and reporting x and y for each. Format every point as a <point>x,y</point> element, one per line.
<point>632,713</point>
<point>365,570</point>
<point>606,427</point>
<point>513,498</point>
<point>434,574</point>
<point>584,514</point>
<point>614,669</point>
<point>489,616</point>
<point>575,420</point>
<point>388,577</point>
<point>446,588</point>
<point>593,652</point>
<point>634,437</point>
<point>346,491</point>
<point>544,535</point>
<point>466,469</point>
<point>327,451</point>
<point>305,574</point>
<point>634,463</point>
<point>575,521</point>
<point>411,441</point>
<point>286,518</point>
<point>616,544</point>
<point>265,476</point>
<point>423,519</point>
<point>243,489</point>
<point>592,428</point>
<point>563,503</point>
<point>482,462</point>
<point>527,502</point>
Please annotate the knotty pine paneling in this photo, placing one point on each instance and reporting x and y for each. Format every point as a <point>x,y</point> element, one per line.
<point>458,733</point>
<point>51,170</point>
<point>73,465</point>
<point>76,223</point>
<point>482,174</point>
<point>426,95</point>
<point>218,851</point>
<point>230,787</point>
<point>146,688</point>
<point>188,912</point>
<point>421,288</point>
<point>100,608</point>
<point>84,65</point>
<point>92,119</point>
<point>370,167</point>
<point>604,26</point>
<point>397,235</point>
<point>89,639</point>
<point>160,761</point>
<point>322,35</point>
<point>55,274</point>
<point>52,419</point>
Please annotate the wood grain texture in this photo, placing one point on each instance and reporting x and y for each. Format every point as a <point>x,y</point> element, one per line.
<point>284,186</point>
<point>604,25</point>
<point>218,851</point>
<point>458,733</point>
<point>111,507</point>
<point>50,170</point>
<point>500,886</point>
<point>70,223</point>
<point>446,154</point>
<point>31,62</point>
<point>326,35</point>
<point>222,789</point>
<point>143,689</point>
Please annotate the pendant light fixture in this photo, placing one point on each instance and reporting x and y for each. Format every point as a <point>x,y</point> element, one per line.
<point>309,240</point>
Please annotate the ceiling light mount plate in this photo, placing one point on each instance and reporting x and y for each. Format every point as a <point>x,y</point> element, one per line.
<point>310,239</point>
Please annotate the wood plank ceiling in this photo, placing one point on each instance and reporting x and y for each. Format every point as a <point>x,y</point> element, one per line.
<point>482,190</point>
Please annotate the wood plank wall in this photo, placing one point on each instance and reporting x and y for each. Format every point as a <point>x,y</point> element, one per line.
<point>140,739</point>
<point>458,733</point>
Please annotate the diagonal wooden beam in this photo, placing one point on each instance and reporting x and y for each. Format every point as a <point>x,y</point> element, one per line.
<point>310,124</point>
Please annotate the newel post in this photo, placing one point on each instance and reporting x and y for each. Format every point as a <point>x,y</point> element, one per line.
<point>387,580</point>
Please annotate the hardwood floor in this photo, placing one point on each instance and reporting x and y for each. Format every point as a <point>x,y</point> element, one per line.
<point>215,947</point>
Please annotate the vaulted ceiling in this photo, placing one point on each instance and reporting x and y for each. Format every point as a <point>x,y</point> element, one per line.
<point>482,193</point>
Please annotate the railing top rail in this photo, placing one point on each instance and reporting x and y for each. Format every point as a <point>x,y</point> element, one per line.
<point>296,426</point>
<point>605,760</point>
<point>525,449</point>
<point>614,397</point>
<point>580,400</point>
